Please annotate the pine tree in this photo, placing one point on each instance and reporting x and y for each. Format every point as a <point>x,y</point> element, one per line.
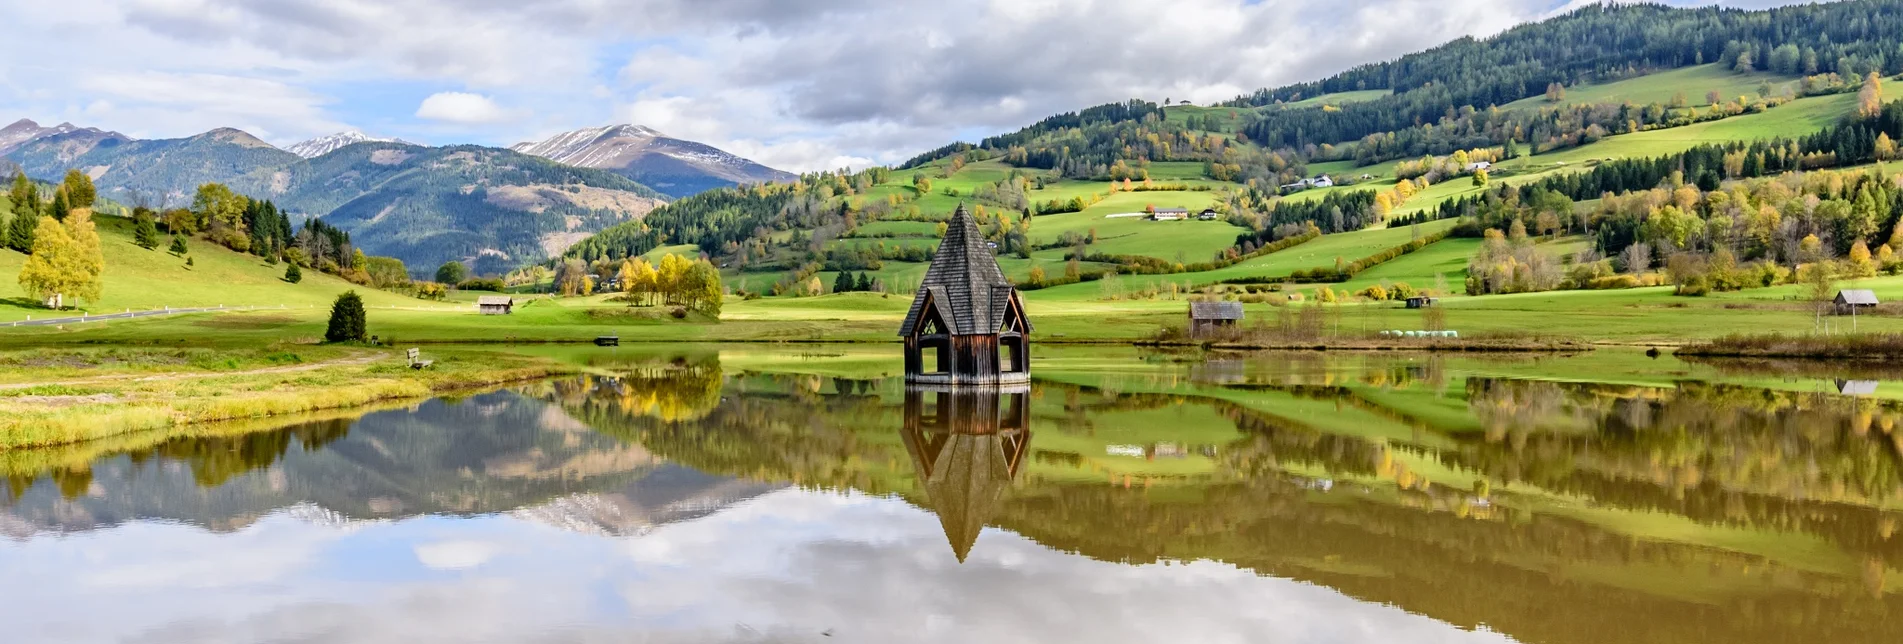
<point>145,232</point>
<point>292,274</point>
<point>178,246</point>
<point>843,283</point>
<point>865,283</point>
<point>346,319</point>
<point>21,231</point>
<point>61,205</point>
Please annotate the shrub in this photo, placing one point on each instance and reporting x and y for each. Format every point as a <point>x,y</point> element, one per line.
<point>1613,282</point>
<point>482,284</point>
<point>347,322</point>
<point>292,274</point>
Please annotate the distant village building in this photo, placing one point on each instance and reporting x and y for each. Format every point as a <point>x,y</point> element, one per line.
<point>1317,181</point>
<point>1205,318</point>
<point>495,304</point>
<point>967,324</point>
<point>1851,299</point>
<point>1208,214</point>
<point>1479,165</point>
<point>1170,214</point>
<point>1421,302</point>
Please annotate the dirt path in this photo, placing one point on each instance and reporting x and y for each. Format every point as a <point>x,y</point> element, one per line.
<point>312,366</point>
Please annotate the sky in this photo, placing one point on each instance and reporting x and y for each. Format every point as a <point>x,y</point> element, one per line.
<point>800,85</point>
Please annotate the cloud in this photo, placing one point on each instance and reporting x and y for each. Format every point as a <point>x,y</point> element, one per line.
<point>455,555</point>
<point>792,565</point>
<point>801,84</point>
<point>462,108</point>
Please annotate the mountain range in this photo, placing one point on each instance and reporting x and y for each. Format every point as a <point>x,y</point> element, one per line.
<point>674,166</point>
<point>323,145</point>
<point>493,207</point>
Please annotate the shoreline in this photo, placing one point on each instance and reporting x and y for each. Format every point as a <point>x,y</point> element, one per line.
<point>97,410</point>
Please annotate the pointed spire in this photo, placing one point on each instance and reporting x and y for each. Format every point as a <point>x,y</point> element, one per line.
<point>966,278</point>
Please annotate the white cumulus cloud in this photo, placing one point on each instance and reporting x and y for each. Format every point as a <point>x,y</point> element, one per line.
<point>462,108</point>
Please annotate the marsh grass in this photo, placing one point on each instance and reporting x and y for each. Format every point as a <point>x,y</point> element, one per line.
<point>1852,346</point>
<point>56,414</point>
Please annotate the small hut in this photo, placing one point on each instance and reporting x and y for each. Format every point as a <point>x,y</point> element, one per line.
<point>967,324</point>
<point>495,304</point>
<point>1421,302</point>
<point>1206,317</point>
<point>1851,299</point>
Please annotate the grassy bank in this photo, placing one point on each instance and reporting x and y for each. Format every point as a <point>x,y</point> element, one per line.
<point>55,401</point>
<point>1852,346</point>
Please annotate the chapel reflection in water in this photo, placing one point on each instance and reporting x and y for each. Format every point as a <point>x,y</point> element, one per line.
<point>967,446</point>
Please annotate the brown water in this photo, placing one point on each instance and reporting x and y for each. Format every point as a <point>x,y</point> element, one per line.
<point>1267,498</point>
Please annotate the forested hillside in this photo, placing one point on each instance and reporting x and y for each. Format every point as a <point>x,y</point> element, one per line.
<point>1544,108</point>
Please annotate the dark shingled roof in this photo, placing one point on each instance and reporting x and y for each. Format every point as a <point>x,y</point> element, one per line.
<point>1215,310</point>
<point>965,282</point>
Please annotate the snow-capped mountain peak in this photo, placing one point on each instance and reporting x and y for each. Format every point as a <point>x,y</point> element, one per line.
<point>323,145</point>
<point>674,166</point>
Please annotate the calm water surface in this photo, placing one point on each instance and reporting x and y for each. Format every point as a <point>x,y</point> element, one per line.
<point>742,497</point>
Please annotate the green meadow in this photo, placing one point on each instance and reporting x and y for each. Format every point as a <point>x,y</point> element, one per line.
<point>1691,83</point>
<point>138,279</point>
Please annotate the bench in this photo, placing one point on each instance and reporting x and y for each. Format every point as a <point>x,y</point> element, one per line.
<point>416,359</point>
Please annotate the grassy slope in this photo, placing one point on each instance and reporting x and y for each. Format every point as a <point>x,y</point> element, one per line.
<point>1693,82</point>
<point>140,279</point>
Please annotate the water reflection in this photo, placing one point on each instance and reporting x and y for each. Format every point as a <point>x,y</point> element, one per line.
<point>1295,498</point>
<point>966,445</point>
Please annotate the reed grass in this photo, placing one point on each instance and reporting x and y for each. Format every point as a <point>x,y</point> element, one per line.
<point>133,405</point>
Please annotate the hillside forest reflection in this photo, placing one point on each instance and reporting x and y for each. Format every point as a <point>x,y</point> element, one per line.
<point>1471,492</point>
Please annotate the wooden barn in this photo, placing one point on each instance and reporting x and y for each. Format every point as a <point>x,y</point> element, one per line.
<point>967,324</point>
<point>1206,318</point>
<point>1850,300</point>
<point>495,304</point>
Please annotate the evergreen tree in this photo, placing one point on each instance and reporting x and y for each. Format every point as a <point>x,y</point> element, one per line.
<point>145,232</point>
<point>22,229</point>
<point>61,205</point>
<point>843,283</point>
<point>346,319</point>
<point>865,283</point>
<point>26,208</point>
<point>178,246</point>
<point>292,274</point>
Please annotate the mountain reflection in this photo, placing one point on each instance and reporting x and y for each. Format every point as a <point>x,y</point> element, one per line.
<point>491,453</point>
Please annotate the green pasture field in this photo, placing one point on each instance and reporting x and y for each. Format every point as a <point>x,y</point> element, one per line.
<point>1191,239</point>
<point>905,228</point>
<point>1693,82</point>
<point>1337,98</point>
<point>689,251</point>
<point>1796,118</point>
<point>138,279</point>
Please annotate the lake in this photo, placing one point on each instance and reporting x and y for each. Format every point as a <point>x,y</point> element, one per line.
<point>768,495</point>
